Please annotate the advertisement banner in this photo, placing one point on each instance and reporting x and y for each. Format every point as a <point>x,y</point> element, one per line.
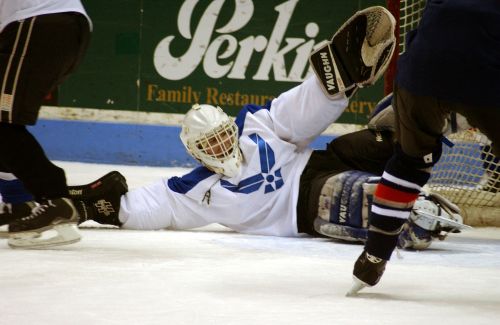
<point>164,56</point>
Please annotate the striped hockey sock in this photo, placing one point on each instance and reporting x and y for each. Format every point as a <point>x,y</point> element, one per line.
<point>393,200</point>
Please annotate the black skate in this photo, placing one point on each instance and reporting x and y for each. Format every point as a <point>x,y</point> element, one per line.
<point>367,272</point>
<point>10,212</point>
<point>57,214</point>
<point>100,200</point>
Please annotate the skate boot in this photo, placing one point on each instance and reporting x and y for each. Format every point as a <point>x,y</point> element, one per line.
<point>59,215</point>
<point>367,272</point>
<point>100,200</point>
<point>10,212</point>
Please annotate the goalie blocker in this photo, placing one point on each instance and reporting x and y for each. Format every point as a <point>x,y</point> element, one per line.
<point>358,54</point>
<point>100,200</point>
<point>344,205</point>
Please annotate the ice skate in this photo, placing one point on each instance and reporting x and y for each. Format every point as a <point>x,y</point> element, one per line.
<point>367,272</point>
<point>37,229</point>
<point>10,212</point>
<point>357,286</point>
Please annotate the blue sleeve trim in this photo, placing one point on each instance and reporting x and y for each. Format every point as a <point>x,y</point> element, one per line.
<point>252,109</point>
<point>187,182</point>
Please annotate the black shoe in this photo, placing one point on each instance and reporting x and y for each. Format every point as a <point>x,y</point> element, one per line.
<point>100,200</point>
<point>45,216</point>
<point>58,215</point>
<point>369,269</point>
<point>10,212</point>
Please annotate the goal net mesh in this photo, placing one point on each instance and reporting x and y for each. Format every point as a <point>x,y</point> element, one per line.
<point>468,173</point>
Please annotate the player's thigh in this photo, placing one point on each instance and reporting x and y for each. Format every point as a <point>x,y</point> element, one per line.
<point>419,122</point>
<point>39,61</point>
<point>365,150</point>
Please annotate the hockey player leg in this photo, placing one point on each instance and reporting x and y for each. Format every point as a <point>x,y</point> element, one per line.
<point>12,189</point>
<point>343,214</point>
<point>358,53</point>
<point>15,201</point>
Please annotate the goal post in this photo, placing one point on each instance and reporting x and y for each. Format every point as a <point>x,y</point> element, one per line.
<point>468,173</point>
<point>407,14</point>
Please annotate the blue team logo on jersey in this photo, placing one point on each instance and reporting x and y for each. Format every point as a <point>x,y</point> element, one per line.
<point>272,180</point>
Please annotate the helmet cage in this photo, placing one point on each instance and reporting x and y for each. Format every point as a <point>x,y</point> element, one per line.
<point>218,148</point>
<point>219,143</point>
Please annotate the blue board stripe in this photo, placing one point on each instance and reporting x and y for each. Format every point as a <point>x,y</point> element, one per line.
<point>118,143</point>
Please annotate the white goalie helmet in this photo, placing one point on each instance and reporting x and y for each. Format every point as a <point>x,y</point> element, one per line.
<point>211,137</point>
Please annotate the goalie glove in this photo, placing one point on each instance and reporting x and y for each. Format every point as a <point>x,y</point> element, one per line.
<point>358,53</point>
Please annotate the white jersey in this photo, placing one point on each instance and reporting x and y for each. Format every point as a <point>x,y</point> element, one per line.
<point>13,10</point>
<point>262,198</point>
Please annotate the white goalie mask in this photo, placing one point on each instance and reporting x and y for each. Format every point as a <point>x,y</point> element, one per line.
<point>211,137</point>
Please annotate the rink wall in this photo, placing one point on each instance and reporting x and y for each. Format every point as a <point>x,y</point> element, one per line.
<point>113,143</point>
<point>165,56</point>
<point>149,61</point>
<point>129,138</point>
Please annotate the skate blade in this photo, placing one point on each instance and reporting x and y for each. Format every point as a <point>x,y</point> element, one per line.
<point>64,234</point>
<point>356,287</point>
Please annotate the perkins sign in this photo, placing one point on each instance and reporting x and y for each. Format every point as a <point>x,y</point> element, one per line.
<point>208,45</point>
<point>169,55</point>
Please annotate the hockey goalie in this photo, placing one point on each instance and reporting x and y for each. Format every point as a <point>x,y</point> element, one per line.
<point>257,174</point>
<point>334,190</point>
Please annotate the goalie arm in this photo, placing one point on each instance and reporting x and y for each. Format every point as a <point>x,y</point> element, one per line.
<point>357,56</point>
<point>302,113</point>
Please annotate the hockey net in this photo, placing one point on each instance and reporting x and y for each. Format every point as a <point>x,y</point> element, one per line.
<point>468,173</point>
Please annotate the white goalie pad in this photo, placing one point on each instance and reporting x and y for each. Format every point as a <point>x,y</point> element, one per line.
<point>345,202</point>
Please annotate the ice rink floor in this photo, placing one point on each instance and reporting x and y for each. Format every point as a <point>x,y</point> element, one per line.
<point>215,276</point>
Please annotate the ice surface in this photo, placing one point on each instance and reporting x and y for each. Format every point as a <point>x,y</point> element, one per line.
<point>214,276</point>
